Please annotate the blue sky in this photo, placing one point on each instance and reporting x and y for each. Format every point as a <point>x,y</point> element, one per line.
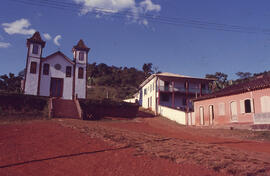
<point>123,34</point>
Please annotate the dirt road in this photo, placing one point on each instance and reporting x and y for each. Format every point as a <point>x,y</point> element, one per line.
<point>126,147</point>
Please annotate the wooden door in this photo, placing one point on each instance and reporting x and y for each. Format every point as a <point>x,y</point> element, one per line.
<point>56,88</point>
<point>211,114</point>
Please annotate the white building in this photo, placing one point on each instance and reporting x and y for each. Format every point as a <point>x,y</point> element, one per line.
<point>169,94</point>
<point>55,75</point>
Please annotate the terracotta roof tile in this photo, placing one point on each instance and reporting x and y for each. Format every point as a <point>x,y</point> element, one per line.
<point>256,84</point>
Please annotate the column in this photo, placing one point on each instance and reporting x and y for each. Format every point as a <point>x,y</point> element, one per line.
<point>173,94</point>
<point>200,85</point>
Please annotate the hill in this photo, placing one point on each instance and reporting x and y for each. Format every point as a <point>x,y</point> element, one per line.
<point>113,82</point>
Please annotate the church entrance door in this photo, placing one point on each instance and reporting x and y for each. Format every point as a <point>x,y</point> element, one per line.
<point>56,87</point>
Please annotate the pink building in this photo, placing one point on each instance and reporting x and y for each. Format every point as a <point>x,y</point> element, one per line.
<point>247,102</point>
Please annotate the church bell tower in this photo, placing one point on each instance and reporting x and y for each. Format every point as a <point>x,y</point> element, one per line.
<point>35,45</point>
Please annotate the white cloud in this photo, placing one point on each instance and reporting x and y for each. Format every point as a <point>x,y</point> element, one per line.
<point>117,6</point>
<point>148,5</point>
<point>145,22</point>
<point>47,36</point>
<point>18,27</point>
<point>4,45</point>
<point>56,40</point>
<point>111,6</point>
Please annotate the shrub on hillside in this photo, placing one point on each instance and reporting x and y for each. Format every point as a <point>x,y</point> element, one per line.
<point>97,109</point>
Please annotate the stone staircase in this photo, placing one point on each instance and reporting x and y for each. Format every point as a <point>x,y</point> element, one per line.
<point>65,109</point>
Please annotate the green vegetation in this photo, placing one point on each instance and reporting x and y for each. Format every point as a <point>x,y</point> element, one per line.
<point>97,109</point>
<point>222,79</point>
<point>19,105</point>
<point>113,82</point>
<point>10,83</point>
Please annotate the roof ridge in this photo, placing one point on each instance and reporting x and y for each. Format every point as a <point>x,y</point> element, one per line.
<point>61,53</point>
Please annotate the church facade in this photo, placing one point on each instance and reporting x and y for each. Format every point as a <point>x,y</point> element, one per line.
<point>55,75</point>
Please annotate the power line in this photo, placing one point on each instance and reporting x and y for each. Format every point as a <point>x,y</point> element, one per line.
<point>61,3</point>
<point>185,22</point>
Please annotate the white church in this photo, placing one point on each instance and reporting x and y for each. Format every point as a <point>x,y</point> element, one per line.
<point>55,75</point>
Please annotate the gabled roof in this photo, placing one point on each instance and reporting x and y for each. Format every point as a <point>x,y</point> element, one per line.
<point>58,53</point>
<point>36,38</point>
<point>173,76</point>
<point>81,46</point>
<point>247,86</point>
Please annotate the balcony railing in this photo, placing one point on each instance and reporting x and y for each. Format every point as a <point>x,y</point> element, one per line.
<point>182,90</point>
<point>205,91</point>
<point>170,89</point>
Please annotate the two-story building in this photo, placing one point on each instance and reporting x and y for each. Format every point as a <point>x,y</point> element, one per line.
<point>169,95</point>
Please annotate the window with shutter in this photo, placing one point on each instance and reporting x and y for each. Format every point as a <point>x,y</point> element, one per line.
<point>46,68</point>
<point>247,106</point>
<point>221,109</point>
<point>33,67</point>
<point>35,49</point>
<point>242,107</point>
<point>201,115</point>
<point>81,56</point>
<point>265,104</point>
<point>80,74</point>
<point>252,105</point>
<point>68,71</point>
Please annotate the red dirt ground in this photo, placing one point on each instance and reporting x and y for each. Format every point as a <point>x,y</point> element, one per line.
<point>49,148</point>
<point>164,127</point>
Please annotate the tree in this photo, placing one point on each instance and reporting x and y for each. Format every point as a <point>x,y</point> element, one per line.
<point>221,80</point>
<point>22,73</point>
<point>147,69</point>
<point>10,83</point>
<point>156,69</point>
<point>243,75</point>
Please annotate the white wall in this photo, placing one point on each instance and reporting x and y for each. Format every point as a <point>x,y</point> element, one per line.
<point>130,100</point>
<point>173,114</point>
<point>80,83</point>
<point>45,80</point>
<point>151,89</point>
<point>31,83</point>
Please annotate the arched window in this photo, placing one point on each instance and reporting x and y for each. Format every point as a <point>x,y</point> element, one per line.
<point>80,74</point>
<point>35,49</point>
<point>81,55</point>
<point>247,106</point>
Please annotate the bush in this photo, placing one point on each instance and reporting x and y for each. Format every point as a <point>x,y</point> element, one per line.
<point>20,104</point>
<point>97,109</point>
